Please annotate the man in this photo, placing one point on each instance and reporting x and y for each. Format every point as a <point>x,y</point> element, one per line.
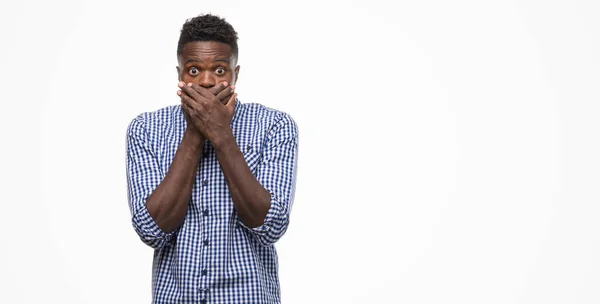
<point>211,181</point>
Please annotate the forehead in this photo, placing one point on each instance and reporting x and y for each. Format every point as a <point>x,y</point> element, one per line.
<point>205,50</point>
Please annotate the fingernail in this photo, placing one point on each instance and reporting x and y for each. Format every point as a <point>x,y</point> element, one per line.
<point>232,87</point>
<point>181,84</point>
<point>189,84</point>
<point>178,93</point>
<point>225,83</point>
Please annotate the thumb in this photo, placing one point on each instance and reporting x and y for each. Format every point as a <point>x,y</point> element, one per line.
<point>231,102</point>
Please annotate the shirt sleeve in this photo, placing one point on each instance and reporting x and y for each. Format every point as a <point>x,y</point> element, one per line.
<point>143,176</point>
<point>277,174</point>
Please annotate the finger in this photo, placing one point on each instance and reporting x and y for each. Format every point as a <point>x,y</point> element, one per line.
<point>185,102</point>
<point>188,102</point>
<point>186,110</point>
<point>231,102</point>
<point>225,94</point>
<point>219,87</point>
<point>189,112</point>
<point>200,91</point>
<point>190,92</point>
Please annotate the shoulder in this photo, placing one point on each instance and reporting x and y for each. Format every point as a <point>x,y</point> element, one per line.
<point>155,120</point>
<point>275,120</point>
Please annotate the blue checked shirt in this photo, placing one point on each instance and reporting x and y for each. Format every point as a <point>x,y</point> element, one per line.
<point>213,257</point>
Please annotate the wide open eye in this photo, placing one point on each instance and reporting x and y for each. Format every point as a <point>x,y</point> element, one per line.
<point>194,71</point>
<point>220,71</point>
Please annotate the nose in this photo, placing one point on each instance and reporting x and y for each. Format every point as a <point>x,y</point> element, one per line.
<point>206,80</point>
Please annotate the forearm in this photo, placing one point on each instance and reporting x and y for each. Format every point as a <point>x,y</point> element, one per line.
<point>250,199</point>
<point>168,203</point>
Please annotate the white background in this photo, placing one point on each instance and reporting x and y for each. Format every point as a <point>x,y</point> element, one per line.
<point>450,150</point>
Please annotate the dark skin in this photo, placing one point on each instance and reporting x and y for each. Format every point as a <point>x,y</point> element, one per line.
<point>207,73</point>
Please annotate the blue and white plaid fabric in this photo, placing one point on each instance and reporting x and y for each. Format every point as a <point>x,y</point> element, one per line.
<point>213,257</point>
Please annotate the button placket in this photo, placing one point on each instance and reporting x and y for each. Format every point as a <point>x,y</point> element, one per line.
<point>204,295</point>
<point>207,216</point>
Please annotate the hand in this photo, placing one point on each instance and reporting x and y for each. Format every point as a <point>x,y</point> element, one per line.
<point>207,112</point>
<point>223,92</point>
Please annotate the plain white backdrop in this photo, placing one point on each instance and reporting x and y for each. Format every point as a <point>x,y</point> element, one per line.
<point>449,150</point>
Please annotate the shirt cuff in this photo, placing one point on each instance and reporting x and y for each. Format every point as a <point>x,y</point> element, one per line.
<point>147,227</point>
<point>275,211</point>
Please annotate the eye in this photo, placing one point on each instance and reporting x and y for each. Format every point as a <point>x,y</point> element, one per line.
<point>194,71</point>
<point>220,71</point>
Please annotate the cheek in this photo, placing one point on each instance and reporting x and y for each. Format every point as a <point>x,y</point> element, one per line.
<point>186,78</point>
<point>227,77</point>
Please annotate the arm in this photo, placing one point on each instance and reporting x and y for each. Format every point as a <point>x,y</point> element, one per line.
<point>263,203</point>
<point>158,207</point>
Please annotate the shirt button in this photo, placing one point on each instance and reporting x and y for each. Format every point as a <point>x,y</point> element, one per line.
<point>248,148</point>
<point>205,182</point>
<point>205,242</point>
<point>204,272</point>
<point>205,212</point>
<point>203,301</point>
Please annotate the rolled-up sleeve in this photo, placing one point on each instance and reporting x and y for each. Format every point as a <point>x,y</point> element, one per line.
<point>143,176</point>
<point>277,174</point>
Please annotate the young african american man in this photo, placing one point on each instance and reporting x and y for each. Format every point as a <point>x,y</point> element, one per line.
<point>211,181</point>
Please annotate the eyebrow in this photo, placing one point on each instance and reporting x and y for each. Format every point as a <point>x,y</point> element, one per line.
<point>198,60</point>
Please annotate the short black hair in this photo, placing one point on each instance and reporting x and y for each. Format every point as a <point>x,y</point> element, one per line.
<point>208,28</point>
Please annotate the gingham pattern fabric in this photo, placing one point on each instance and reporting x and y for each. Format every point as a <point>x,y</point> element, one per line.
<point>213,257</point>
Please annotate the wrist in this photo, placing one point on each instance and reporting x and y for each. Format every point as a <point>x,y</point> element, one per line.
<point>224,142</point>
<point>193,138</point>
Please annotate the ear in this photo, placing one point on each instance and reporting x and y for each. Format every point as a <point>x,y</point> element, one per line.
<point>237,71</point>
<point>178,73</point>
